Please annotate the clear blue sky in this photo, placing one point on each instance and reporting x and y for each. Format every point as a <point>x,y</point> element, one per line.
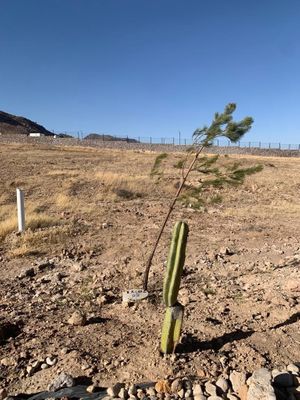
<point>152,67</point>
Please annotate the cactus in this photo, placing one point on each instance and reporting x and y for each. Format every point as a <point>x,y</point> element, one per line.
<point>175,263</point>
<point>171,328</point>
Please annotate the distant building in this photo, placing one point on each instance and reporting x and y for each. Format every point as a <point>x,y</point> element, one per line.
<point>36,134</point>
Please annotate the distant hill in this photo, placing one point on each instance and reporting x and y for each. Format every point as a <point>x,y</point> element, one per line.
<point>109,138</point>
<point>12,124</point>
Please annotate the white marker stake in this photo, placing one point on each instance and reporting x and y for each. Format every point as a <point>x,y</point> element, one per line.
<point>21,210</point>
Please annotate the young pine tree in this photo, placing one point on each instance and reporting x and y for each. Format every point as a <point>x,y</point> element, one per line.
<point>214,174</point>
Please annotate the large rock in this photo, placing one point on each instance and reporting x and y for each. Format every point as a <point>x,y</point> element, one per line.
<point>260,387</point>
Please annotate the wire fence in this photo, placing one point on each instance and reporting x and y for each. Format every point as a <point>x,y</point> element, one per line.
<point>181,141</point>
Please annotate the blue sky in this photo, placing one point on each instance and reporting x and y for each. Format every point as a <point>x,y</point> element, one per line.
<point>152,67</point>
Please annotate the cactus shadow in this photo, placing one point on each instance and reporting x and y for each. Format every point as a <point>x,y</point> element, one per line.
<point>191,344</point>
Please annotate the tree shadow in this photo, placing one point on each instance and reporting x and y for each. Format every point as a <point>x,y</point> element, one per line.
<point>293,318</point>
<point>192,344</point>
<point>96,320</point>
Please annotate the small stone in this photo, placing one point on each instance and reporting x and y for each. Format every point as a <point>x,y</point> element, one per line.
<point>197,389</point>
<point>181,393</point>
<point>91,389</point>
<point>140,394</point>
<point>237,379</point>
<point>51,361</point>
<point>123,394</point>
<point>210,389</point>
<point>113,391</point>
<point>151,391</point>
<point>132,390</point>
<point>215,398</point>
<point>44,366</point>
<point>222,384</point>
<point>61,381</point>
<point>163,386</point>
<point>77,318</point>
<point>8,361</point>
<point>176,385</point>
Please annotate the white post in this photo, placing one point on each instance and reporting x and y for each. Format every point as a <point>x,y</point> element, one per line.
<point>21,210</point>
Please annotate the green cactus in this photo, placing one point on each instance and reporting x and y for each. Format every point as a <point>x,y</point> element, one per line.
<point>171,328</point>
<point>175,263</point>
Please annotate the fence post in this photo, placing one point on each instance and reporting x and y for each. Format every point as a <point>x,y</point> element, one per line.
<point>150,139</point>
<point>139,139</point>
<point>259,144</point>
<point>279,146</point>
<point>173,141</point>
<point>289,147</point>
<point>185,143</point>
<point>269,145</point>
<point>21,210</point>
<point>249,145</point>
<point>239,144</point>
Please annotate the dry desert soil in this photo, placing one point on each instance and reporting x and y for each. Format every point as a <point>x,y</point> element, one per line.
<point>92,217</point>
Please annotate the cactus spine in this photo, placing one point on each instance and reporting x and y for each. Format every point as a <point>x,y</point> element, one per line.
<point>175,263</point>
<point>174,312</point>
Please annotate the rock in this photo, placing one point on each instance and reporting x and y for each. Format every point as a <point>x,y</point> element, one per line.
<point>3,393</point>
<point>113,391</point>
<point>215,398</point>
<point>27,273</point>
<point>260,387</point>
<point>163,386</point>
<point>197,389</point>
<point>181,393</point>
<point>51,361</point>
<point>210,389</point>
<point>8,362</point>
<point>222,384</point>
<point>61,381</point>
<point>123,394</point>
<point>237,380</point>
<point>151,391</point>
<point>140,394</point>
<point>284,379</point>
<point>44,366</point>
<point>188,394</point>
<point>132,391</point>
<point>91,389</point>
<point>77,318</point>
<point>176,385</point>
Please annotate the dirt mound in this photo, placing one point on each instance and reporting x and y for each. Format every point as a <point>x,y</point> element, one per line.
<point>10,123</point>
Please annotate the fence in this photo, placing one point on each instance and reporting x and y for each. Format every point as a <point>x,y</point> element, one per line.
<point>187,141</point>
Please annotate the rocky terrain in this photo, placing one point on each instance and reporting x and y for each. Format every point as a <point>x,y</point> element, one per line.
<point>92,216</point>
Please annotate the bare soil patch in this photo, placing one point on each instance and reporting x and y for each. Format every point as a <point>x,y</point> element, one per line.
<point>93,215</point>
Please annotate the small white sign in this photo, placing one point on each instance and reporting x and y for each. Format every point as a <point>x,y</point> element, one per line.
<point>134,295</point>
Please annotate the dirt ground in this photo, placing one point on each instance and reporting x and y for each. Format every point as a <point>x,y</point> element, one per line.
<point>92,217</point>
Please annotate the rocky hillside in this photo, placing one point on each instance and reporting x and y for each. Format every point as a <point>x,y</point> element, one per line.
<point>12,124</point>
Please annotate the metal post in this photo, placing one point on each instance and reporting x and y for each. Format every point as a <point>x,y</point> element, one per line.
<point>279,145</point>
<point>259,144</point>
<point>150,139</point>
<point>173,141</point>
<point>218,143</point>
<point>289,147</point>
<point>185,143</point>
<point>249,145</point>
<point>269,145</point>
<point>21,210</point>
<point>179,138</point>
